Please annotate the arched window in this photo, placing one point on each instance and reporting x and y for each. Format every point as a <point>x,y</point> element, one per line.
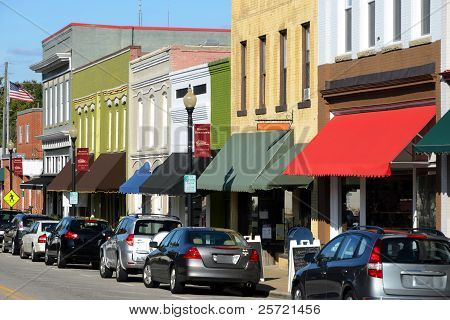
<point>150,121</point>
<point>140,128</point>
<point>165,120</point>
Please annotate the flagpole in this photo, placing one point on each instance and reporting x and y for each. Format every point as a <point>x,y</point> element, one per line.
<point>5,108</point>
<point>7,105</point>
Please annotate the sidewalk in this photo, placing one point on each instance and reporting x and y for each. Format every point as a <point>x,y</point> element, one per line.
<point>275,284</point>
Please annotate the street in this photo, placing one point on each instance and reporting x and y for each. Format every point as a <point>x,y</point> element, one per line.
<point>25,280</point>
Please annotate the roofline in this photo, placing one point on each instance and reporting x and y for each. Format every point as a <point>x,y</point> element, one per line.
<point>154,28</point>
<point>30,110</point>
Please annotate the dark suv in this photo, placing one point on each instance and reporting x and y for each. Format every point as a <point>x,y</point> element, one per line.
<point>76,240</point>
<point>20,225</point>
<point>373,263</point>
<point>6,217</point>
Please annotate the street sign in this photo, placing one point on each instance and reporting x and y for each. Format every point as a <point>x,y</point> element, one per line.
<point>82,159</point>
<point>17,166</point>
<point>11,198</point>
<point>190,183</point>
<point>73,198</point>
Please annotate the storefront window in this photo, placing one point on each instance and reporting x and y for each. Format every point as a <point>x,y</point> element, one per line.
<point>426,200</point>
<point>351,204</point>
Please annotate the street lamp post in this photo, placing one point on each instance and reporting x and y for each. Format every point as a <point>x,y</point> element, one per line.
<point>11,172</point>
<point>73,133</point>
<point>190,100</point>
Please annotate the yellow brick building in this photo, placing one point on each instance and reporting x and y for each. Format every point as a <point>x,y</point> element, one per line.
<point>271,24</point>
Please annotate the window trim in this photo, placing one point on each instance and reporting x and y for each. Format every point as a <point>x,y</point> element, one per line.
<point>306,59</point>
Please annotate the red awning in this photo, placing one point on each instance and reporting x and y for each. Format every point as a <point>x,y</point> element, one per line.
<point>362,145</point>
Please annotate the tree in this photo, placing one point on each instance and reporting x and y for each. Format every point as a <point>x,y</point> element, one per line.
<point>35,89</point>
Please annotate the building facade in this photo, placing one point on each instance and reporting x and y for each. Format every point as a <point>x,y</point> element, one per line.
<point>157,116</point>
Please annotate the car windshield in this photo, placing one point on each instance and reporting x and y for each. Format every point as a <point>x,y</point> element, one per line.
<point>28,221</point>
<point>152,227</point>
<point>88,225</point>
<point>415,251</point>
<point>48,227</point>
<point>6,217</point>
<point>216,238</point>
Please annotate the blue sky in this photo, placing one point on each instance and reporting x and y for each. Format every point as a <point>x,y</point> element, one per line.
<point>27,22</point>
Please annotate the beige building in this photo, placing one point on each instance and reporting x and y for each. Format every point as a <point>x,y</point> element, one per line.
<point>274,85</point>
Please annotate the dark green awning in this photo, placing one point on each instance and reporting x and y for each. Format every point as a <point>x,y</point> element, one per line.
<point>251,161</point>
<point>437,140</point>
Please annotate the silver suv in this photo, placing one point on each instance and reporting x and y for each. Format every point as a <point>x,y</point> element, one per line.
<point>127,248</point>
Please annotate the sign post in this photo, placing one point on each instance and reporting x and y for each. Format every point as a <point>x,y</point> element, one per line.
<point>202,137</point>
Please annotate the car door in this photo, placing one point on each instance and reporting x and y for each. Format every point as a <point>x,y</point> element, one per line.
<point>28,238</point>
<point>55,237</point>
<point>173,249</point>
<point>10,232</point>
<point>343,268</point>
<point>159,259</point>
<point>316,275</point>
<point>120,238</point>
<point>109,246</point>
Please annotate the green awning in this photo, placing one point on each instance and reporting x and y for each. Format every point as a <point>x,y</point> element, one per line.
<point>249,162</point>
<point>437,140</point>
<point>2,174</point>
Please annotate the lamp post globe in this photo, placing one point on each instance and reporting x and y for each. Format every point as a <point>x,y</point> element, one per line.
<point>73,133</point>
<point>190,100</point>
<point>10,146</point>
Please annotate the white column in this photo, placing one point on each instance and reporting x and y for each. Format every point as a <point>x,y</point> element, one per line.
<point>414,199</point>
<point>137,203</point>
<point>335,219</point>
<point>362,202</point>
<point>445,199</point>
<point>208,210</point>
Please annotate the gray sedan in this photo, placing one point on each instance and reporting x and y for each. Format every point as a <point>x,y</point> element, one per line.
<point>203,256</point>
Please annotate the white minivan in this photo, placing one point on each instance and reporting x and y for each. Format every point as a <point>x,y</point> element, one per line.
<point>33,243</point>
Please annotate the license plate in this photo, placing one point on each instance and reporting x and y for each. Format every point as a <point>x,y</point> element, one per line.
<point>2,232</point>
<point>425,282</point>
<point>226,259</point>
<point>142,246</point>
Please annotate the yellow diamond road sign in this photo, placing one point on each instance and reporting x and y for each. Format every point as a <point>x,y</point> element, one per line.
<point>11,198</point>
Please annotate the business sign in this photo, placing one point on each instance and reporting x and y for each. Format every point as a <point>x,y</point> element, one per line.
<point>73,198</point>
<point>190,183</point>
<point>83,159</point>
<point>202,138</point>
<point>297,253</point>
<point>17,166</point>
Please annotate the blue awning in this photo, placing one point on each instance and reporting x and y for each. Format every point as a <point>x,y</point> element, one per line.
<point>140,176</point>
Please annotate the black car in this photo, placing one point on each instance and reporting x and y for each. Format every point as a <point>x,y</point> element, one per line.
<point>203,256</point>
<point>20,225</point>
<point>6,217</point>
<point>76,240</point>
<point>374,263</point>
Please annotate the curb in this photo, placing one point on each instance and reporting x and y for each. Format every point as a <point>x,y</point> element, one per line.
<point>279,295</point>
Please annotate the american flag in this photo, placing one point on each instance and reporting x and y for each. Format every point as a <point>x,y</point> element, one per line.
<point>18,93</point>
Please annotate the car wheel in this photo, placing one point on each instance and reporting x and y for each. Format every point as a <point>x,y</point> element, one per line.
<point>34,256</point>
<point>23,255</point>
<point>105,272</point>
<point>121,273</point>
<point>350,295</point>
<point>95,265</point>
<point>175,285</point>
<point>60,261</point>
<point>147,277</point>
<point>49,261</point>
<point>248,289</point>
<point>14,250</point>
<point>297,293</point>
<point>4,249</point>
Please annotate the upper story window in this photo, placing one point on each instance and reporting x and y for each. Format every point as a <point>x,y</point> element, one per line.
<point>348,25</point>
<point>397,23</point>
<point>425,18</point>
<point>306,56</point>
<point>19,133</point>
<point>243,75</point>
<point>198,90</point>
<point>371,20</point>
<point>262,71</point>
<point>283,67</point>
<point>27,133</point>
<point>46,107</point>
<point>140,131</point>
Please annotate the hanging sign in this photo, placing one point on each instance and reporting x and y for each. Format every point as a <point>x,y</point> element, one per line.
<point>17,166</point>
<point>83,159</point>
<point>202,137</point>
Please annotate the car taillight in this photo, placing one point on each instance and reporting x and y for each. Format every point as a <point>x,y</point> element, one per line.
<point>130,240</point>
<point>375,267</point>
<point>254,257</point>
<point>192,253</point>
<point>70,235</point>
<point>417,236</point>
<point>42,238</point>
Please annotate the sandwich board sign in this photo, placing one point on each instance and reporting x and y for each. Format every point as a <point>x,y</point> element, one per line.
<point>297,254</point>
<point>256,244</point>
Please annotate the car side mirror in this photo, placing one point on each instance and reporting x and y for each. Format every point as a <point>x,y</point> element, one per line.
<point>153,244</point>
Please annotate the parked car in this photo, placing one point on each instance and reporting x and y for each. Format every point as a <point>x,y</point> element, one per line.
<point>372,263</point>
<point>76,240</point>
<point>20,225</point>
<point>33,242</point>
<point>125,251</point>
<point>203,256</point>
<point>6,217</point>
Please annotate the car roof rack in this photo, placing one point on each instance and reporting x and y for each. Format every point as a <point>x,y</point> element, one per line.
<point>139,215</point>
<point>369,228</point>
<point>429,231</point>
